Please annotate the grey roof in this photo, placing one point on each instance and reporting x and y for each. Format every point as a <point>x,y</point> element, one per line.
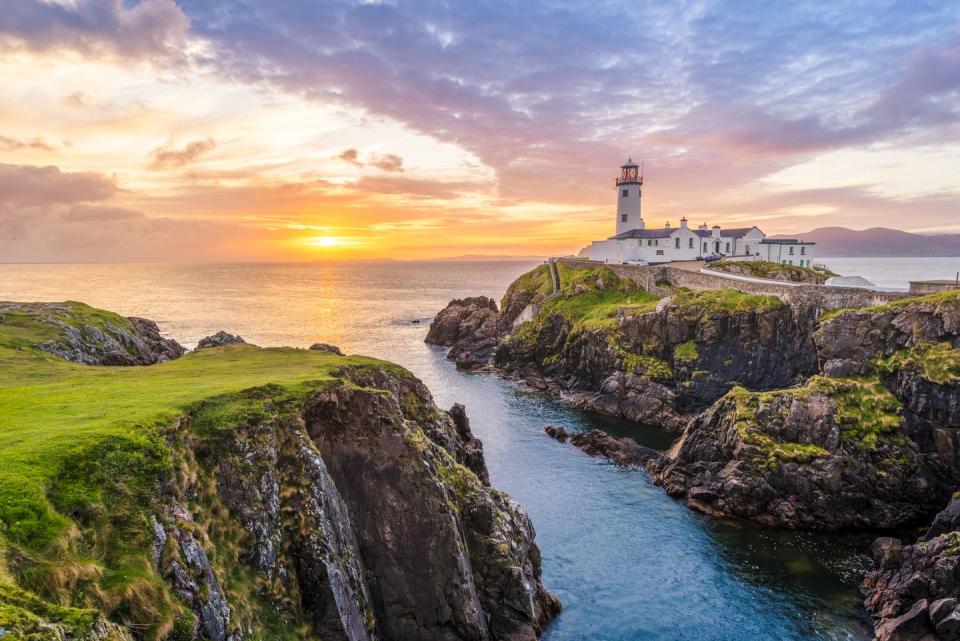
<point>786,241</point>
<point>629,163</point>
<point>737,232</point>
<point>645,233</point>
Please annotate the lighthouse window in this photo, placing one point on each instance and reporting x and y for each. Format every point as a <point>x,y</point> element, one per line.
<point>626,192</point>
<point>623,218</point>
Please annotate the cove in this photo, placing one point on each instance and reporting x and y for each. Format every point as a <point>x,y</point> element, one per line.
<point>630,563</point>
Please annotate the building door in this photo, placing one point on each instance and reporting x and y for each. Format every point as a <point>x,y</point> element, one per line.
<point>716,247</point>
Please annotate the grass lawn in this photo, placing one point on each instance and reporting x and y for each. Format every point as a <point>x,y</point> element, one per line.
<point>53,412</point>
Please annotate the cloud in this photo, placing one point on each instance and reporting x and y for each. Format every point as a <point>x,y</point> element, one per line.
<point>350,156</point>
<point>388,162</point>
<point>167,157</point>
<point>49,214</point>
<point>14,144</point>
<point>29,185</point>
<point>552,97</point>
<point>148,29</point>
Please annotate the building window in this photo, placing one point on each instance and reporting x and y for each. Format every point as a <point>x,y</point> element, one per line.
<point>704,248</point>
<point>676,243</point>
<point>746,252</point>
<point>623,218</point>
<point>659,252</point>
<point>691,244</point>
<point>803,251</point>
<point>649,243</point>
<point>626,192</point>
<point>728,248</point>
<point>791,252</point>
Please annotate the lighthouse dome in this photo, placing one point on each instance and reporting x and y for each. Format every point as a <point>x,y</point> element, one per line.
<point>629,164</point>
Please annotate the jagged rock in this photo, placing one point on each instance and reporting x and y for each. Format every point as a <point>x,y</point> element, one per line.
<point>469,328</point>
<point>220,339</point>
<point>365,509</point>
<point>98,339</point>
<point>915,592</point>
<point>622,451</point>
<point>326,347</point>
<point>484,587</point>
<point>784,458</point>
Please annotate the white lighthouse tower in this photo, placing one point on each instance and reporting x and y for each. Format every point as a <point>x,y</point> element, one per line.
<point>629,183</point>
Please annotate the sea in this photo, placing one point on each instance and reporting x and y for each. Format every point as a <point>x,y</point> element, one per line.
<point>628,562</point>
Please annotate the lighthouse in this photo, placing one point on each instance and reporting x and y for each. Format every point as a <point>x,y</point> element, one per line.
<point>629,183</point>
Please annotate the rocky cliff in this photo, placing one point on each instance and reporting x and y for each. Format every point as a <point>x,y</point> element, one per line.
<point>79,333</point>
<point>793,418</point>
<point>913,592</point>
<point>293,494</point>
<point>607,345</point>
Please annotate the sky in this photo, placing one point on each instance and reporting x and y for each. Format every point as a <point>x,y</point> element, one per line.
<point>216,130</point>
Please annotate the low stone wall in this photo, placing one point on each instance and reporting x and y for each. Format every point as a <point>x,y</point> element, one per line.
<point>819,296</point>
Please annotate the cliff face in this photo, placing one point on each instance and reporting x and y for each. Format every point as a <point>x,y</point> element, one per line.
<point>337,504</point>
<point>849,420</point>
<point>607,345</point>
<point>873,442</point>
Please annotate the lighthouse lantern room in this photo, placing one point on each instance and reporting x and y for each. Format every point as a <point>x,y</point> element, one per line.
<point>629,184</point>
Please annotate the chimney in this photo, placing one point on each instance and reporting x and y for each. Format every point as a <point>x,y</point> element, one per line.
<point>683,223</point>
<point>703,227</point>
<point>716,231</point>
<point>667,226</point>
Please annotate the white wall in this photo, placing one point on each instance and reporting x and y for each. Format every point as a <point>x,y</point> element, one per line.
<point>628,206</point>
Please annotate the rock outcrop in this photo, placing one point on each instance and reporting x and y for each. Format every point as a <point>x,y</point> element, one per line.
<point>846,421</point>
<point>795,458</point>
<point>469,328</point>
<point>913,592</point>
<point>89,336</point>
<point>873,444</point>
<point>622,451</point>
<point>362,515</point>
<point>220,339</point>
<point>326,347</point>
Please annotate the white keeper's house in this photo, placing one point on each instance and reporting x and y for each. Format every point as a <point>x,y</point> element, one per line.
<point>634,242</point>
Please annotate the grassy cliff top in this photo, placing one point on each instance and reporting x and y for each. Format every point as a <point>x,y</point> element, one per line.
<point>54,413</point>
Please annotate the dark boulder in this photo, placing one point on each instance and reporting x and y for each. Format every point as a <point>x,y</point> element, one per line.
<point>326,347</point>
<point>622,451</point>
<point>469,328</point>
<point>914,592</point>
<point>220,339</point>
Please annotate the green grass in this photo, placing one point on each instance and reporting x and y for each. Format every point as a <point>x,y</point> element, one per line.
<point>83,452</point>
<point>936,362</point>
<point>537,281</point>
<point>716,302</point>
<point>772,270</point>
<point>686,352</point>
<point>649,366</point>
<point>866,413</point>
<point>586,305</point>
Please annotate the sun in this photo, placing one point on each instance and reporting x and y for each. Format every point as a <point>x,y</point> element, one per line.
<point>322,241</point>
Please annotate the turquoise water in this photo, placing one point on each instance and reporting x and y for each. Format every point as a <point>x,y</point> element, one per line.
<point>628,562</point>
